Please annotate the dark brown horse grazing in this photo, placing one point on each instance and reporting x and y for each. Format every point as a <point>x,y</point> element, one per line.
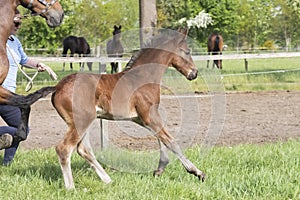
<point>133,94</point>
<point>77,45</point>
<point>215,45</point>
<point>114,48</point>
<point>52,11</point>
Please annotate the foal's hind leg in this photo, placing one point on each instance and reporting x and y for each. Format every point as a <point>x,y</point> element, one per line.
<point>64,151</point>
<point>84,150</point>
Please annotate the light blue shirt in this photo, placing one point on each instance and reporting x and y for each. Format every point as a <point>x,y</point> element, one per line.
<point>10,82</point>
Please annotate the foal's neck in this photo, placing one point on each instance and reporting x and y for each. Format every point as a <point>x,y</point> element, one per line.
<point>150,63</point>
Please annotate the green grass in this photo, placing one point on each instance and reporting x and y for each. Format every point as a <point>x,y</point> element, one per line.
<point>269,171</point>
<point>263,74</point>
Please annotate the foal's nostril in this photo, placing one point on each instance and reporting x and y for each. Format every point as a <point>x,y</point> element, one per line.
<point>195,71</point>
<point>192,74</point>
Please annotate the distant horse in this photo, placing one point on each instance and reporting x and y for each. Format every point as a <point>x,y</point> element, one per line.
<point>77,45</point>
<point>133,95</point>
<point>114,48</point>
<point>53,13</point>
<point>215,45</point>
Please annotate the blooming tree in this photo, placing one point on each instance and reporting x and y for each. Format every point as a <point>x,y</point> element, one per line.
<point>202,20</point>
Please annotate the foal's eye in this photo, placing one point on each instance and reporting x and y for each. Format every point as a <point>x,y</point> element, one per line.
<point>186,51</point>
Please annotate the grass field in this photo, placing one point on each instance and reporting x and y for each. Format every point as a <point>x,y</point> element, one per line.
<point>269,171</point>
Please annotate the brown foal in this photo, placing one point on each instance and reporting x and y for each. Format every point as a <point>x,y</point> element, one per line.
<point>133,94</point>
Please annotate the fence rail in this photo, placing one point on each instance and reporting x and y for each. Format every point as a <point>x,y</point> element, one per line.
<point>104,59</point>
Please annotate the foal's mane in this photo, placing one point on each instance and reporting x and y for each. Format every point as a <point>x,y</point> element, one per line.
<point>159,41</point>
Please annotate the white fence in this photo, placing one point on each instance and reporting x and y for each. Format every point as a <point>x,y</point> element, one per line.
<point>244,57</point>
<point>196,58</point>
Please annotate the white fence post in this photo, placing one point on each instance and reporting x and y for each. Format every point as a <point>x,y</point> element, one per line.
<point>119,66</point>
<point>102,66</point>
<point>103,133</point>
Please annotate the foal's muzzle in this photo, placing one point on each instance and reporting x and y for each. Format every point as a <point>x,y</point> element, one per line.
<point>192,74</point>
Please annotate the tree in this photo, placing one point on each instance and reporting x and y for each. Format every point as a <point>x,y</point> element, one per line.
<point>248,23</point>
<point>223,13</point>
<point>285,24</point>
<point>36,34</point>
<point>93,20</point>
<point>148,19</point>
<point>294,4</point>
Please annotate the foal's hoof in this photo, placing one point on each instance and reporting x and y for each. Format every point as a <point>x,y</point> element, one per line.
<point>199,174</point>
<point>158,172</point>
<point>202,177</point>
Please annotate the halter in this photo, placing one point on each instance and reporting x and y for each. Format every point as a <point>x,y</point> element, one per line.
<point>47,5</point>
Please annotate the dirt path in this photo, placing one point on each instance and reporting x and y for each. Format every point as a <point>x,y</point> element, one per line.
<point>249,118</point>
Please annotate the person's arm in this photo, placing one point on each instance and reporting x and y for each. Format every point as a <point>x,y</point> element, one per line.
<point>31,63</point>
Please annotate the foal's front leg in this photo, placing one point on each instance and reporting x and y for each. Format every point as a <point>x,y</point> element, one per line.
<point>189,166</point>
<point>174,147</point>
<point>163,160</point>
<point>171,144</point>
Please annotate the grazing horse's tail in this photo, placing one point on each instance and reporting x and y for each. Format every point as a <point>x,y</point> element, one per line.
<point>217,42</point>
<point>25,101</point>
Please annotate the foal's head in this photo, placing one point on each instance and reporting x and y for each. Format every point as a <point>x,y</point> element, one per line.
<point>181,56</point>
<point>51,10</point>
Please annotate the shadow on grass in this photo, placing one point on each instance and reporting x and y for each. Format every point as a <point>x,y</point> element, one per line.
<point>48,170</point>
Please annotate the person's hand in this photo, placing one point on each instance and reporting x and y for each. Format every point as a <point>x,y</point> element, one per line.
<point>42,67</point>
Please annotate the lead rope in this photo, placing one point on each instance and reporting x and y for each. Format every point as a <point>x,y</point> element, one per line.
<point>30,79</point>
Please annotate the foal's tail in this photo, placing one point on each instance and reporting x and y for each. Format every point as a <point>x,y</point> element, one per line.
<point>25,101</point>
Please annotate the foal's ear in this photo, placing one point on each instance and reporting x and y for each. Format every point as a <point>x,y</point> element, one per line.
<point>184,32</point>
<point>120,27</point>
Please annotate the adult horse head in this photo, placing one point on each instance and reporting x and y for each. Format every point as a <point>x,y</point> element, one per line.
<point>215,46</point>
<point>51,10</point>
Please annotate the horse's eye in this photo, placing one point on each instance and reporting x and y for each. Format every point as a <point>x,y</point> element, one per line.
<point>186,51</point>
